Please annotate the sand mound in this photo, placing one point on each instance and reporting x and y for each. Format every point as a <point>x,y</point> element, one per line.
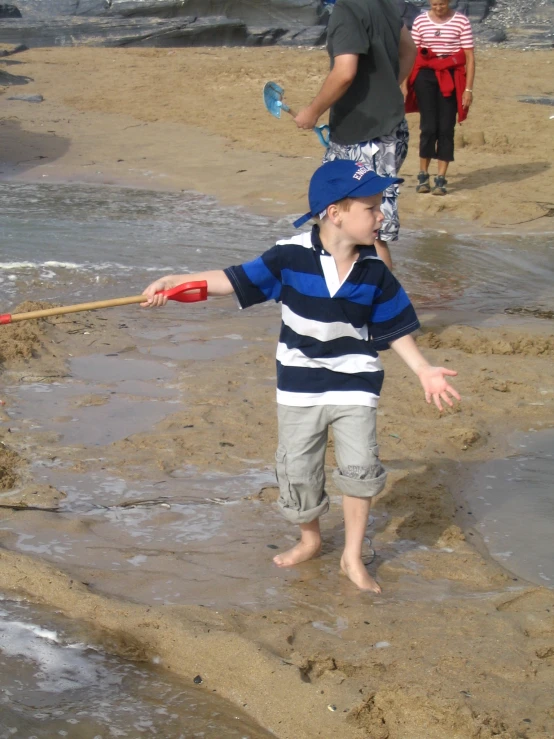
<point>477,341</point>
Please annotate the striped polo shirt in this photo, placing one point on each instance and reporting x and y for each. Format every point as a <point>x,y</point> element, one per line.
<point>330,332</point>
<point>443,38</point>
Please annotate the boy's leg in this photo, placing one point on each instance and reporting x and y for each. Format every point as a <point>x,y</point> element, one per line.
<point>307,548</point>
<point>300,469</point>
<point>356,515</point>
<point>360,476</point>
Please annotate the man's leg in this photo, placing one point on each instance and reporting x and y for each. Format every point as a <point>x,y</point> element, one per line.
<point>384,156</point>
<point>391,154</point>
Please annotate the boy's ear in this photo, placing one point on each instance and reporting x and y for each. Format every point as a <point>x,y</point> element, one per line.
<point>333,213</point>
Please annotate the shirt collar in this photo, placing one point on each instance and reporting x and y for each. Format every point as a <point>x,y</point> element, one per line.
<point>365,252</point>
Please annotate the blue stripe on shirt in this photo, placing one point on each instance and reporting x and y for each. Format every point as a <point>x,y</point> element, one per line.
<point>259,274</point>
<point>391,309</point>
<point>313,286</point>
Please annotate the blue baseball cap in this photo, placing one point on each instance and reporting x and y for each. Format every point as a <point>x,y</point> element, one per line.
<point>342,178</point>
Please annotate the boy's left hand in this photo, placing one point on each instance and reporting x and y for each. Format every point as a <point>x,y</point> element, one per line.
<point>433,381</point>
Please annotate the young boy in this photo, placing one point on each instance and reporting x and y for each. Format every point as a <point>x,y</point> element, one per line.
<point>340,304</point>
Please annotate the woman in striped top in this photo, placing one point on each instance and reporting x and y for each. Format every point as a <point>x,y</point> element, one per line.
<point>442,84</point>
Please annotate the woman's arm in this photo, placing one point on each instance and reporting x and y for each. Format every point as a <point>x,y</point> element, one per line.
<point>467,97</point>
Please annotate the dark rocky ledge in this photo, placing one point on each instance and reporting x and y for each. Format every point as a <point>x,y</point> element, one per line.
<point>527,23</point>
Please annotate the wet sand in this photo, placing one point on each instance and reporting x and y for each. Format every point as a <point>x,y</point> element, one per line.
<point>453,632</point>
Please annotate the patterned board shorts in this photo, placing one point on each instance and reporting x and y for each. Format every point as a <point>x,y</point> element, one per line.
<point>385,156</point>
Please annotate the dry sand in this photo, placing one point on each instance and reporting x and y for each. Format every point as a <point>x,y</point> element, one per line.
<point>478,663</point>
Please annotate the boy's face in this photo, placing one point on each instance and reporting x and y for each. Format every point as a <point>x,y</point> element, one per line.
<point>362,221</point>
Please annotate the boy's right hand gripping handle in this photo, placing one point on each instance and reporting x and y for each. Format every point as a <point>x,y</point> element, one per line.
<point>187,292</point>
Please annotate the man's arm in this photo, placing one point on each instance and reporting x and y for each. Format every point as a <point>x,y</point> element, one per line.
<point>407,52</point>
<point>218,284</point>
<point>334,86</point>
<point>433,379</point>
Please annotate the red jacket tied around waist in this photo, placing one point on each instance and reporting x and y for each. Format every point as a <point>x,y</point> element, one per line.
<point>449,84</point>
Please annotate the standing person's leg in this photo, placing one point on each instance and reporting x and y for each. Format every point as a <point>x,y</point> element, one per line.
<point>300,467</point>
<point>448,110</point>
<point>385,157</point>
<point>427,93</point>
<point>360,476</point>
<point>388,159</point>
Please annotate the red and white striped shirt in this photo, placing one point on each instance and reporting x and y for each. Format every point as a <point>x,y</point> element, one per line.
<point>443,38</point>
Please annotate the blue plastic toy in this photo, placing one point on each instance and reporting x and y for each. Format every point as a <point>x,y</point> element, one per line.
<point>273,100</point>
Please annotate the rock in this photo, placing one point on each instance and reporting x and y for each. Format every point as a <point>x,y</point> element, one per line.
<point>498,37</point>
<point>145,8</point>
<point>272,12</point>
<point>537,101</point>
<point>15,50</point>
<point>28,98</point>
<point>264,36</point>
<point>314,36</point>
<point>9,11</point>
<point>53,8</point>
<point>124,32</point>
<point>7,79</point>
<point>409,12</point>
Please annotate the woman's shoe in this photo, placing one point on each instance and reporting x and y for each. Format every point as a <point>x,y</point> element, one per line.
<point>440,186</point>
<point>423,180</point>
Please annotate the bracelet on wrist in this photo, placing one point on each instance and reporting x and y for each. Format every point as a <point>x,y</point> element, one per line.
<point>466,90</point>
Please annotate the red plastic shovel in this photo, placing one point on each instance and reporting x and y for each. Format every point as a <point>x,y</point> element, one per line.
<point>188,292</point>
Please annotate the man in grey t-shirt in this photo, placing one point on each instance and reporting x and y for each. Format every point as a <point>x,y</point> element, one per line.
<point>371,54</point>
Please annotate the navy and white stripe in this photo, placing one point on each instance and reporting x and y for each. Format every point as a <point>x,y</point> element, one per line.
<point>330,333</point>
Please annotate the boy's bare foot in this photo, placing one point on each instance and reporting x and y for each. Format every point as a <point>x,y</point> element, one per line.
<point>355,570</point>
<point>303,551</point>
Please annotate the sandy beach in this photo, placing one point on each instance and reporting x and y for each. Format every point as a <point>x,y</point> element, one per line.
<point>457,647</point>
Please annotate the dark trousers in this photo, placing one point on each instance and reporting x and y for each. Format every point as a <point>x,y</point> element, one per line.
<point>437,118</point>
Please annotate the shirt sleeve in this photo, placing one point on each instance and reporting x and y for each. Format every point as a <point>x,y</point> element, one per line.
<point>466,34</point>
<point>259,280</point>
<point>347,34</point>
<point>392,314</point>
<point>416,32</point>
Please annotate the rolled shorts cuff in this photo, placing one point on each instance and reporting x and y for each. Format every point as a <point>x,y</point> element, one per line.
<point>357,488</point>
<point>304,516</point>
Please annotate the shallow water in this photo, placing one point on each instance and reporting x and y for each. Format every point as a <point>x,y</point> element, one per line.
<point>76,243</point>
<point>512,506</point>
<point>54,684</point>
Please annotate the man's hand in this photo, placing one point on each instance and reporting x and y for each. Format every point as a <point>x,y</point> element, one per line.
<point>307,118</point>
<point>433,381</point>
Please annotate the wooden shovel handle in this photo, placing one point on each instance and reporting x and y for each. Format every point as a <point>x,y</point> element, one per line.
<point>188,292</point>
<point>14,317</point>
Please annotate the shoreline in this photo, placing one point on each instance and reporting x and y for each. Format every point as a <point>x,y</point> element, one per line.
<point>445,607</point>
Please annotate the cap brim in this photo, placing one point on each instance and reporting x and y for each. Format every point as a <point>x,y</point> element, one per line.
<point>364,189</point>
<point>374,186</point>
<point>302,220</point>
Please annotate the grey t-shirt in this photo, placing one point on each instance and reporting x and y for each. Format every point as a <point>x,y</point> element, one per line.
<point>373,105</point>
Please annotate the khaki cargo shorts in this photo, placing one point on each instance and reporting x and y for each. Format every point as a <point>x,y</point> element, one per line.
<point>300,457</point>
